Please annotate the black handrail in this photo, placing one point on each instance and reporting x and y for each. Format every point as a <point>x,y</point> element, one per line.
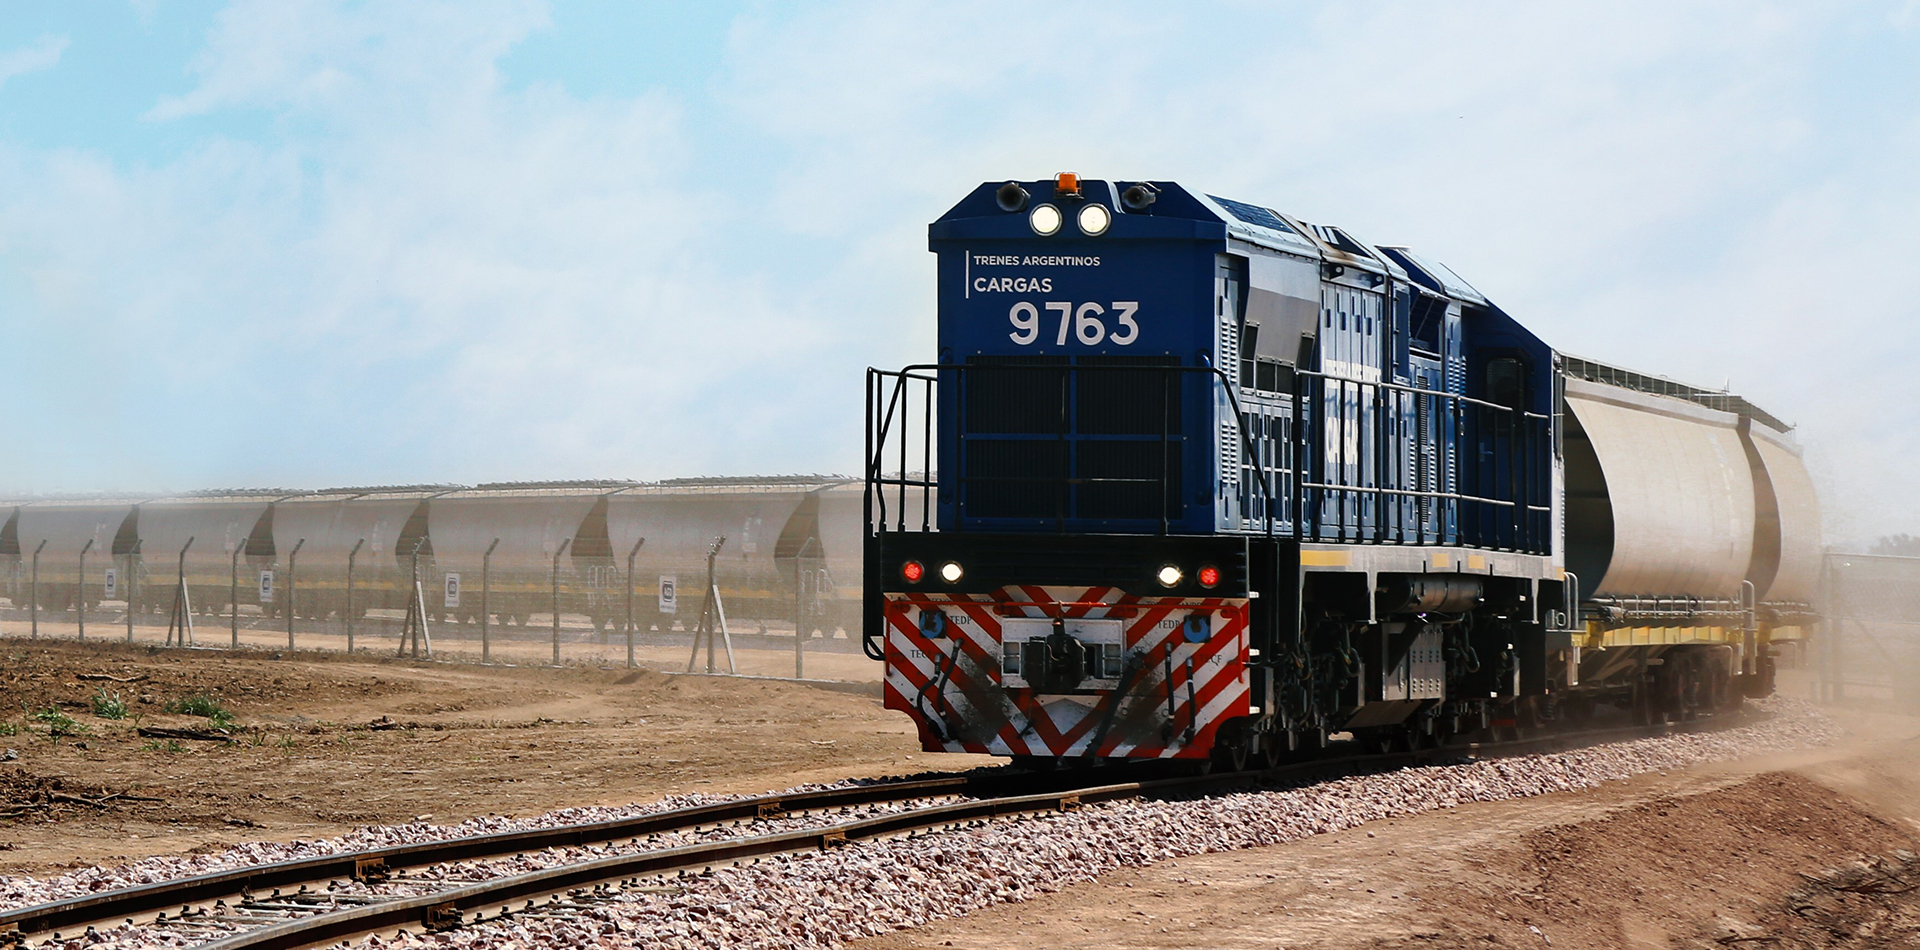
<point>1465,421</point>
<point>1459,419</point>
<point>880,423</point>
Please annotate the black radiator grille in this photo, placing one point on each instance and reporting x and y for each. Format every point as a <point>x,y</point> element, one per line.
<point>1098,439</point>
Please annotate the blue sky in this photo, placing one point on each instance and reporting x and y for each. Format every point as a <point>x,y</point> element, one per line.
<point>301,243</point>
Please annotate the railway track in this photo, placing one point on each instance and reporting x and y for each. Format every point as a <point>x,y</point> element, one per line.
<point>371,891</point>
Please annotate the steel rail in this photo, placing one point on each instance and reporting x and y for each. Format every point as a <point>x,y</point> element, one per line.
<point>447,909</point>
<point>121,903</point>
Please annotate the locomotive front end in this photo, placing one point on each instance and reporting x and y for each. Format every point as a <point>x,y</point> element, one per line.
<point>1149,662</point>
<point>1044,578</point>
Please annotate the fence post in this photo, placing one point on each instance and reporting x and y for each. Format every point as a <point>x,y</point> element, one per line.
<point>33,592</point>
<point>182,617</point>
<point>486,590</point>
<point>349,611</point>
<point>416,622</point>
<point>630,556</point>
<point>801,629</point>
<point>1833,619</point>
<point>799,617</point>
<point>80,591</point>
<point>556,598</point>
<point>233,593</point>
<point>133,569</point>
<point>293,587</point>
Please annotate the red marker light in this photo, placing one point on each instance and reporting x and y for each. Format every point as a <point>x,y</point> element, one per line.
<point>913,571</point>
<point>1209,576</point>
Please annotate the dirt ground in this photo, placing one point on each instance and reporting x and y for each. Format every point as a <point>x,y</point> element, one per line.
<point>1717,856</point>
<point>1728,855</point>
<point>453,741</point>
<point>528,645</point>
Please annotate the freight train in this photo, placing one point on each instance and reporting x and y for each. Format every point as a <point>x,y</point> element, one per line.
<point>502,548</point>
<point>1191,478</point>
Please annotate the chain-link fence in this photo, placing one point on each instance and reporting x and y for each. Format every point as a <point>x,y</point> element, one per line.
<point>1868,645</point>
<point>609,574</point>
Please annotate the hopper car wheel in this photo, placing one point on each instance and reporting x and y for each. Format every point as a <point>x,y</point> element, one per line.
<point>1645,709</point>
<point>1577,708</point>
<point>1725,697</point>
<point>1642,701</point>
<point>1693,684</point>
<point>1670,696</point>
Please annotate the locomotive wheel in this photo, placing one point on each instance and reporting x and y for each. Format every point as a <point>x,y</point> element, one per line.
<point>1309,740</point>
<point>1376,741</point>
<point>1229,756</point>
<point>1273,750</point>
<point>1527,716</point>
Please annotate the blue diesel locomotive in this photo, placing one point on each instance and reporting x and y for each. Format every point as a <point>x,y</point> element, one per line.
<point>1191,478</point>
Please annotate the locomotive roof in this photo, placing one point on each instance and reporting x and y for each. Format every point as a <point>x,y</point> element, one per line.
<point>1179,212</point>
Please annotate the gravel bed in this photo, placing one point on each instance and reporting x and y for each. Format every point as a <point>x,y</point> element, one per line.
<point>16,892</point>
<point>414,882</point>
<point>823,899</point>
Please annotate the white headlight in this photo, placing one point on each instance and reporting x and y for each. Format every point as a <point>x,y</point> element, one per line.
<point>950,572</point>
<point>1045,220</point>
<point>1169,576</point>
<point>1094,220</point>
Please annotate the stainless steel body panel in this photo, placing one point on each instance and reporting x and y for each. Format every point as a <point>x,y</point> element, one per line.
<point>1798,508</point>
<point>1680,492</point>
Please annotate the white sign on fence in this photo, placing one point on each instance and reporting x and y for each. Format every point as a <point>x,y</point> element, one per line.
<point>453,590</point>
<point>113,584</point>
<point>266,587</point>
<point>669,594</point>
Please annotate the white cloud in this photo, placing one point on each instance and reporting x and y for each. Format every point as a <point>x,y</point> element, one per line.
<point>423,275</point>
<point>418,272</point>
<point>1648,183</point>
<point>351,63</point>
<point>43,53</point>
